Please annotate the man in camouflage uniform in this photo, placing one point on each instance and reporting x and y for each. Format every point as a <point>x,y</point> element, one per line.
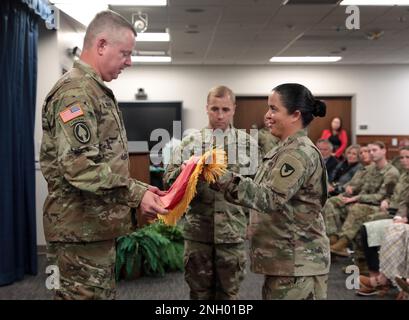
<point>215,230</point>
<point>396,161</point>
<point>266,141</point>
<point>84,159</point>
<point>287,232</point>
<point>378,184</point>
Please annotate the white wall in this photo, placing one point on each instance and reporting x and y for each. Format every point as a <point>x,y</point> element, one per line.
<point>52,58</point>
<point>379,91</point>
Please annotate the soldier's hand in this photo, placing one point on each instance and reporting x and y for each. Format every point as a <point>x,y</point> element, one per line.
<point>399,219</point>
<point>151,205</point>
<point>349,190</point>
<point>384,205</point>
<point>156,190</point>
<point>347,200</point>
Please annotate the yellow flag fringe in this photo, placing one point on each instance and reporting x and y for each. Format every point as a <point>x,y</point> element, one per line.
<point>211,165</point>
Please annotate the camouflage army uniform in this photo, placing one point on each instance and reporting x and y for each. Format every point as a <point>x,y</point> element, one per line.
<point>266,140</point>
<point>214,229</point>
<point>357,180</point>
<point>378,184</point>
<point>396,163</point>
<point>288,240</point>
<point>84,159</point>
<point>335,210</point>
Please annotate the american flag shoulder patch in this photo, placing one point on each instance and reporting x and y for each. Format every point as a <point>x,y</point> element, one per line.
<point>71,112</point>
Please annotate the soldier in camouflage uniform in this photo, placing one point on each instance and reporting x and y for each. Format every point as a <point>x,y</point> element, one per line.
<point>215,230</point>
<point>396,161</point>
<point>266,140</point>
<point>378,184</point>
<point>335,217</point>
<point>84,159</point>
<point>287,232</point>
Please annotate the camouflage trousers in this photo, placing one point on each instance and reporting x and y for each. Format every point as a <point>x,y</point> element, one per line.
<point>295,288</point>
<point>334,213</point>
<point>86,270</point>
<point>358,213</point>
<point>214,271</point>
<point>345,220</point>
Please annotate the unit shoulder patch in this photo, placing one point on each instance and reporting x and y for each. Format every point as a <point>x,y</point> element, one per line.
<point>82,133</point>
<point>286,170</point>
<point>286,173</point>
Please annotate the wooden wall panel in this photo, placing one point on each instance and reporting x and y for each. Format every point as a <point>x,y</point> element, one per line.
<point>251,110</point>
<point>393,150</point>
<point>139,169</point>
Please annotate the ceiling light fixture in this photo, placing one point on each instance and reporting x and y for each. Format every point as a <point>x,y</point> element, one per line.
<point>148,3</point>
<point>375,2</point>
<point>85,11</point>
<point>153,36</point>
<point>142,3</point>
<point>305,59</point>
<point>146,59</point>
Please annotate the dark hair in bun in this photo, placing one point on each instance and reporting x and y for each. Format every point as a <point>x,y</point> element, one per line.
<point>295,97</point>
<point>320,109</point>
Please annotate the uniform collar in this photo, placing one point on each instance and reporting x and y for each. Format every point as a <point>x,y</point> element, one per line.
<point>295,136</point>
<point>90,72</point>
<point>208,132</point>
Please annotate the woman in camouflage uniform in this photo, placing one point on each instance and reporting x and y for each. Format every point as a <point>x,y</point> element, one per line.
<point>288,241</point>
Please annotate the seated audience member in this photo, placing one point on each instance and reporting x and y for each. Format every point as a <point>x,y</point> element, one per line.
<point>326,148</point>
<point>337,136</point>
<point>345,170</point>
<point>393,262</point>
<point>379,183</point>
<point>355,184</point>
<point>396,161</point>
<point>373,233</point>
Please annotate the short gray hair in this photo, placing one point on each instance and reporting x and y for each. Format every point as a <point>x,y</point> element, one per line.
<point>105,21</point>
<point>326,141</point>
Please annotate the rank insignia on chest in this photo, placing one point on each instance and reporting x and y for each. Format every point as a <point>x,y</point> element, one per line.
<point>70,113</point>
<point>286,170</point>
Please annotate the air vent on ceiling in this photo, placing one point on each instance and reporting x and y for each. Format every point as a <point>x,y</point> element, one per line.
<point>306,2</point>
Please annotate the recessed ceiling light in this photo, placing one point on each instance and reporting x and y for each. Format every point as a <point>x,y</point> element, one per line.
<point>305,59</point>
<point>153,36</point>
<point>147,3</point>
<point>149,53</point>
<point>375,2</point>
<point>161,59</point>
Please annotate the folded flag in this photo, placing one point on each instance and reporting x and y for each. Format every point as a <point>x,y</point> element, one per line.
<point>210,165</point>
